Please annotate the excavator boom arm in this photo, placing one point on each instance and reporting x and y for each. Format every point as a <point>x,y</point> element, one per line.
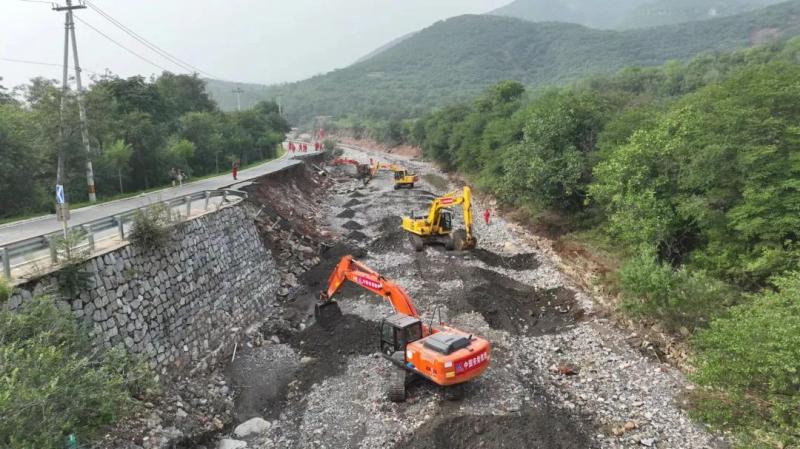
<point>360,274</point>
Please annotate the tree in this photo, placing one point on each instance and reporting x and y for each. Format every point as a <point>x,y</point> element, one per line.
<point>180,151</point>
<point>550,167</point>
<point>119,155</point>
<point>19,163</point>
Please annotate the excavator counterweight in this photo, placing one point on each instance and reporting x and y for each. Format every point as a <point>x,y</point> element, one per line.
<point>440,353</point>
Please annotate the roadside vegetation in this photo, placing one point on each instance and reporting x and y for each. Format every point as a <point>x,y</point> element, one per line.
<point>138,130</point>
<point>693,171</point>
<point>53,384</point>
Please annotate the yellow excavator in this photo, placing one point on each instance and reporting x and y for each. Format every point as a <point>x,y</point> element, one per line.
<point>437,227</point>
<point>402,177</point>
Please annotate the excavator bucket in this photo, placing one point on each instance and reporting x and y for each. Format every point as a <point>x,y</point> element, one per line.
<point>327,313</point>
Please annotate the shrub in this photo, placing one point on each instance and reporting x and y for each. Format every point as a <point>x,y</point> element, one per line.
<point>53,384</point>
<point>5,289</point>
<point>151,227</point>
<point>676,297</point>
<point>72,278</point>
<point>750,362</point>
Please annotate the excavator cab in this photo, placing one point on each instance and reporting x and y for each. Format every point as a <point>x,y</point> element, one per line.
<point>397,331</point>
<point>445,221</point>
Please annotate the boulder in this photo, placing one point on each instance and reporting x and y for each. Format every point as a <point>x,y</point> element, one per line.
<point>253,426</point>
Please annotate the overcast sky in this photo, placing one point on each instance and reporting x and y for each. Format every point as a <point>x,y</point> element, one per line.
<point>261,41</point>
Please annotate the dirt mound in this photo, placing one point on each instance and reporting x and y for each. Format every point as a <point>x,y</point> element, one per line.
<point>260,377</point>
<point>515,307</point>
<point>358,236</point>
<point>351,203</point>
<point>353,225</point>
<point>390,224</point>
<point>536,429</point>
<point>263,376</point>
<point>347,213</point>
<point>517,262</point>
<point>349,335</point>
<point>392,237</point>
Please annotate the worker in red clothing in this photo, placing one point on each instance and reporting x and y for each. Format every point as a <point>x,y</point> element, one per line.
<point>486,215</point>
<point>235,168</point>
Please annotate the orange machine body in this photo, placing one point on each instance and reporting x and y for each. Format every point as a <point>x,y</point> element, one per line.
<point>440,353</point>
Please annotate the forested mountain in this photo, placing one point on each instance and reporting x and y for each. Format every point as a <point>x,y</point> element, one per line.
<point>385,47</point>
<point>665,12</point>
<point>610,14</point>
<point>458,58</point>
<point>603,14</point>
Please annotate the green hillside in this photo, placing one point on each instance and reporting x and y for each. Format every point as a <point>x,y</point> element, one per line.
<point>456,59</point>
<point>665,12</point>
<point>611,14</point>
<point>604,14</point>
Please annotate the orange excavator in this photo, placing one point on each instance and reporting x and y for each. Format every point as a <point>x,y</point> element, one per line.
<point>442,354</point>
<point>363,171</point>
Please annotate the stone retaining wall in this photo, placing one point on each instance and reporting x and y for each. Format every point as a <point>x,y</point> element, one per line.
<point>182,305</point>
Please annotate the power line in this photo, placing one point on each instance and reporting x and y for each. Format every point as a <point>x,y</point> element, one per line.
<point>122,46</point>
<point>25,61</point>
<point>174,59</point>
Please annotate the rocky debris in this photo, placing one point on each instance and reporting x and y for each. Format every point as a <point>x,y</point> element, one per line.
<point>357,236</point>
<point>252,426</point>
<point>347,213</point>
<point>574,384</point>
<point>353,225</point>
<point>187,411</point>
<point>231,444</point>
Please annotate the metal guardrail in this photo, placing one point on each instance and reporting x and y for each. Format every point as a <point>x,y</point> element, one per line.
<point>92,228</point>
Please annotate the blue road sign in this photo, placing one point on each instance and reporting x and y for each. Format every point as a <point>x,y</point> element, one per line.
<point>59,194</point>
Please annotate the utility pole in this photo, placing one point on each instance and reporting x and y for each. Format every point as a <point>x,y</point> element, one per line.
<point>238,91</point>
<point>70,32</point>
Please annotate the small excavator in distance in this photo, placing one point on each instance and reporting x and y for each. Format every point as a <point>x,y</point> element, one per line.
<point>437,227</point>
<point>363,171</point>
<point>402,177</point>
<point>442,354</point>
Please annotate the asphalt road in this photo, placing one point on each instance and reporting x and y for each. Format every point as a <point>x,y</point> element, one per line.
<point>21,230</point>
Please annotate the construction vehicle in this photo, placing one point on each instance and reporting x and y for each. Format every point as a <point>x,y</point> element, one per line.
<point>363,171</point>
<point>402,177</point>
<point>442,354</point>
<point>437,227</point>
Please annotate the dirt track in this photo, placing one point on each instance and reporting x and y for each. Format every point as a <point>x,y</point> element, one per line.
<point>559,377</point>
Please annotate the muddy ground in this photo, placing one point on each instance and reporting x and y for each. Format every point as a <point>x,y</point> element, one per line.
<point>560,377</point>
